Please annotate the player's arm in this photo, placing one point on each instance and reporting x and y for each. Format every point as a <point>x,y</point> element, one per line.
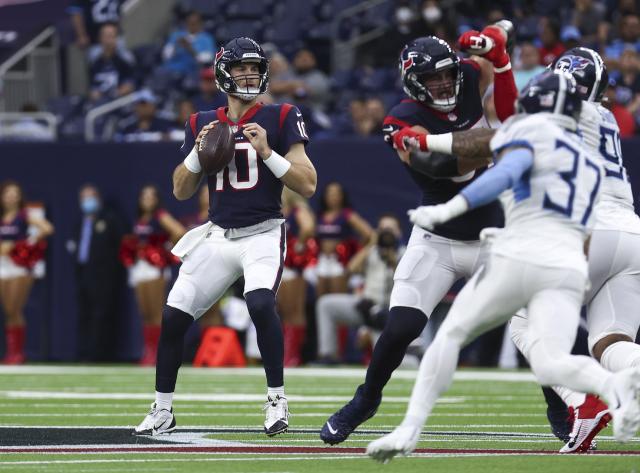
<point>174,228</point>
<point>294,169</point>
<point>513,162</point>
<point>467,144</point>
<point>188,174</point>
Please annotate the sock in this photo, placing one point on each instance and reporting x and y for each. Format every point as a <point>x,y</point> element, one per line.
<point>175,324</point>
<point>262,309</point>
<point>273,392</point>
<point>570,397</point>
<point>404,325</point>
<point>164,400</point>
<point>620,355</point>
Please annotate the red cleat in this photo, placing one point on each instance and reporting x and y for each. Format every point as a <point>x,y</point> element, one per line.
<point>588,419</point>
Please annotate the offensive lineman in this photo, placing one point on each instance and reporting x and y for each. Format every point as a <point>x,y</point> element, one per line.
<point>245,235</point>
<point>445,95</point>
<point>548,187</point>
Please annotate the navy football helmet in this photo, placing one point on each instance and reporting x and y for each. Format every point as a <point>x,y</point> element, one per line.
<point>422,63</point>
<point>587,68</point>
<point>552,92</point>
<point>236,51</point>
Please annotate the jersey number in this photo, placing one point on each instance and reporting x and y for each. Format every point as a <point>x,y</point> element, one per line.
<point>611,150</point>
<point>247,178</point>
<point>569,177</point>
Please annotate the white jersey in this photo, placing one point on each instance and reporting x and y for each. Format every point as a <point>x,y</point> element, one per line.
<point>601,136</point>
<point>549,211</point>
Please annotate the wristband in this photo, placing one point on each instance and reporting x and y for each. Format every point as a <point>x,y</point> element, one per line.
<point>440,143</point>
<point>192,163</point>
<point>277,164</point>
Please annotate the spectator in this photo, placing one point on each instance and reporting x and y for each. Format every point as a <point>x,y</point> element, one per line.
<point>209,97</point>
<point>315,83</point>
<point>551,46</point>
<point>98,277</point>
<point>627,81</point>
<point>189,48</point>
<point>377,262</point>
<point>144,125</point>
<point>28,127</point>
<point>368,117</point>
<point>87,17</point>
<point>111,68</point>
<point>337,231</point>
<point>629,37</point>
<point>587,17</point>
<point>571,37</point>
<point>184,110</point>
<point>146,254</point>
<point>16,277</point>
<point>527,64</point>
<point>283,87</point>
<point>623,117</point>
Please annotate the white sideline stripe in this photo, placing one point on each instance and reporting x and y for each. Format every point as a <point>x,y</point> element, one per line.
<point>153,460</point>
<point>241,428</point>
<point>465,375</point>
<point>258,414</point>
<point>199,397</point>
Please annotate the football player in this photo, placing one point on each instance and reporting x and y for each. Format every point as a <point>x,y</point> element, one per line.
<point>245,235</point>
<point>548,187</point>
<point>445,95</point>
<point>614,264</point>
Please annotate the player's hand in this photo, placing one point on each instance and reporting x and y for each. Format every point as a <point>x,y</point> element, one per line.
<point>406,139</point>
<point>204,131</point>
<point>257,136</point>
<point>489,44</point>
<point>428,216</point>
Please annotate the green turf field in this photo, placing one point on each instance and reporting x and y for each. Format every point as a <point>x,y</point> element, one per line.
<point>78,419</point>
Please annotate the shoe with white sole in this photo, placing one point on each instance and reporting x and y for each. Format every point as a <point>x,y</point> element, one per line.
<point>588,419</point>
<point>158,421</point>
<point>277,418</point>
<point>625,403</point>
<point>403,440</point>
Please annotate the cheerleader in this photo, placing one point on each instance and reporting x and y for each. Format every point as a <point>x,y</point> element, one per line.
<point>301,252</point>
<point>337,233</point>
<point>147,255</point>
<point>19,252</point>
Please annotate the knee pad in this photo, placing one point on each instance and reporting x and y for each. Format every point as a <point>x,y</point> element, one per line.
<point>405,323</point>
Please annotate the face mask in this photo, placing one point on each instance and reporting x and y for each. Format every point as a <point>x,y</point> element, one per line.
<point>404,15</point>
<point>89,205</point>
<point>431,14</point>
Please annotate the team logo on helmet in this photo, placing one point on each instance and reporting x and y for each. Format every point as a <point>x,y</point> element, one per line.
<point>573,63</point>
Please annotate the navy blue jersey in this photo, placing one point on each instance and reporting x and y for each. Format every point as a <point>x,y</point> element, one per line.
<point>108,73</point>
<point>437,191</point>
<point>246,192</point>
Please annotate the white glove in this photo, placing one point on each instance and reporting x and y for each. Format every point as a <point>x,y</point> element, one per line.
<point>429,216</point>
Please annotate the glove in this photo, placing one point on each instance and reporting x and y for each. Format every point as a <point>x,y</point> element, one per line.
<point>407,138</point>
<point>490,44</point>
<point>430,216</point>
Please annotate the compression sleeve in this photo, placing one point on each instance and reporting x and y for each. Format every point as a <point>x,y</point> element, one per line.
<point>511,167</point>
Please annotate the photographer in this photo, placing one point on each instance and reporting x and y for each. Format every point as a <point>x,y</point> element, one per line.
<point>376,262</point>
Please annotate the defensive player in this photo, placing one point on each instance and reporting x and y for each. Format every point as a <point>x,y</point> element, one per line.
<point>445,95</point>
<point>245,235</point>
<point>548,187</point>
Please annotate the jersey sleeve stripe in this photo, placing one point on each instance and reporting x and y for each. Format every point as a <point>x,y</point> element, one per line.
<point>512,144</point>
<point>284,111</point>
<point>193,120</point>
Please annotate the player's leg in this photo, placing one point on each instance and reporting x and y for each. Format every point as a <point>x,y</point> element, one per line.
<point>262,258</point>
<point>206,273</point>
<point>486,301</point>
<point>424,274</point>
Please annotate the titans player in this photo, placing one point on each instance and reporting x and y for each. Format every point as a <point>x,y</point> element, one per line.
<point>445,95</point>
<point>245,235</point>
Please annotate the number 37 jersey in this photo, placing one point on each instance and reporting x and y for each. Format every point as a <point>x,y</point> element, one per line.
<point>549,211</point>
<point>246,192</point>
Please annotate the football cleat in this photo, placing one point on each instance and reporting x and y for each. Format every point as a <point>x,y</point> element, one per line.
<point>158,421</point>
<point>340,425</point>
<point>277,419</point>
<point>625,403</point>
<point>403,440</point>
<point>588,419</point>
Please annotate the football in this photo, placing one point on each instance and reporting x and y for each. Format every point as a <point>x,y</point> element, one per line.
<point>216,149</point>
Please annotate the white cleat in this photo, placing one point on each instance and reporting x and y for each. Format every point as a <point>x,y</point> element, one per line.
<point>158,421</point>
<point>402,440</point>
<point>625,403</point>
<point>277,417</point>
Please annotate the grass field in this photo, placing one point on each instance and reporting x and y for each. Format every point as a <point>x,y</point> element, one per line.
<point>79,418</point>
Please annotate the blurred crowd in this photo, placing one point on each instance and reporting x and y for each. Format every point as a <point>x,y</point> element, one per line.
<point>174,79</point>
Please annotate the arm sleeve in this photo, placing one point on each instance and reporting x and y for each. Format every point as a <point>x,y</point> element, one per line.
<point>435,165</point>
<point>189,138</point>
<point>292,127</point>
<point>505,94</point>
<point>499,178</point>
